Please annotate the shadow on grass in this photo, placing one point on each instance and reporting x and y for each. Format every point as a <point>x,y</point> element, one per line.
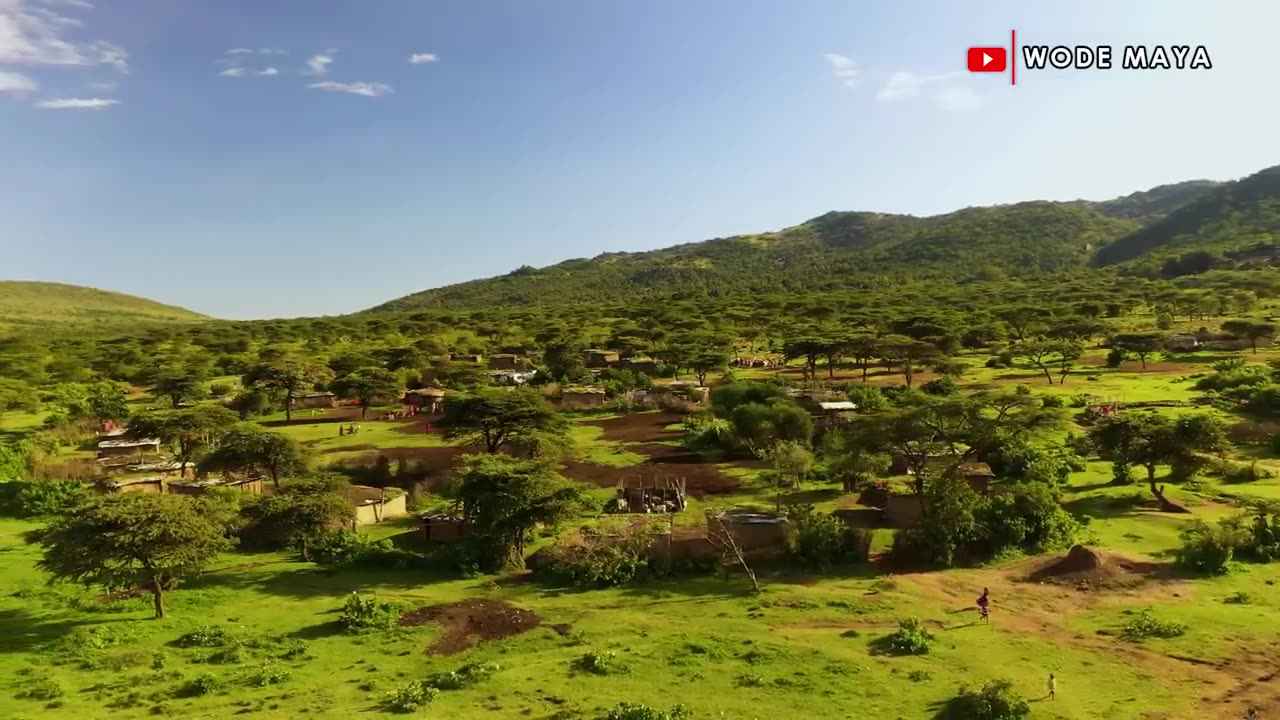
<point>25,631</point>
<point>304,583</point>
<point>1110,506</point>
<point>320,630</point>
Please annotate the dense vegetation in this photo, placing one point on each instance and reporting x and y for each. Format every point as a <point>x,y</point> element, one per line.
<point>26,303</point>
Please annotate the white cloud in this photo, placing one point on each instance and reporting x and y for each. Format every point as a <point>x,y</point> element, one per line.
<point>16,83</point>
<point>420,58</point>
<point>268,72</point>
<point>957,98</point>
<point>233,72</point>
<point>32,34</point>
<point>239,51</point>
<point>77,104</point>
<point>907,84</point>
<point>318,64</point>
<point>367,89</point>
<point>844,69</point>
<point>272,51</point>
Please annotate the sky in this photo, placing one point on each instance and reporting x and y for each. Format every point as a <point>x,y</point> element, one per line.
<point>251,159</point>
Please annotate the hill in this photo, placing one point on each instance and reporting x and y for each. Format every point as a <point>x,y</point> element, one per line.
<point>1151,205</point>
<point>1229,218</point>
<point>834,251</point>
<point>25,303</point>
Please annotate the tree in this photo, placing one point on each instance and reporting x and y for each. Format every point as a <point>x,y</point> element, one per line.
<point>808,348</point>
<point>1140,344</point>
<point>190,430</point>
<point>563,359</point>
<point>792,462</point>
<point>495,417</point>
<point>134,540</point>
<point>370,385</point>
<point>503,499</point>
<point>1254,331</point>
<point>909,353</point>
<point>252,449</point>
<point>178,384</point>
<point>287,377</point>
<point>706,361</point>
<point>1021,318</point>
<point>863,349</point>
<point>851,462</point>
<point>1149,440</point>
<point>17,396</point>
<point>302,514</point>
<point>1047,353</point>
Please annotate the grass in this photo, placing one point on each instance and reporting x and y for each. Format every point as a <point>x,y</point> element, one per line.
<point>25,303</point>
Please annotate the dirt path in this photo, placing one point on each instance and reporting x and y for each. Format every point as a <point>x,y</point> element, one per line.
<point>1226,689</point>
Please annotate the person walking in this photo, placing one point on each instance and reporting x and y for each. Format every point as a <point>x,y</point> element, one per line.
<point>1053,686</point>
<point>984,605</point>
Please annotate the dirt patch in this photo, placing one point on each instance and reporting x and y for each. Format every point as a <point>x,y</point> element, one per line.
<point>700,478</point>
<point>304,417</point>
<point>1088,569</point>
<point>640,427</point>
<point>470,622</point>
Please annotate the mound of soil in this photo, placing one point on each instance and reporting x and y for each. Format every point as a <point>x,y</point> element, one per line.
<point>1087,569</point>
<point>472,621</point>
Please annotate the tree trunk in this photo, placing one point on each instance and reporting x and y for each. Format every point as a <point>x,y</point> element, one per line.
<point>288,407</point>
<point>1047,376</point>
<point>1254,343</point>
<point>157,596</point>
<point>364,409</point>
<point>306,549</point>
<point>1166,505</point>
<point>864,372</point>
<point>275,479</point>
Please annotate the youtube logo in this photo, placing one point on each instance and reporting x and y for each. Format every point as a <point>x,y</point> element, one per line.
<point>987,59</point>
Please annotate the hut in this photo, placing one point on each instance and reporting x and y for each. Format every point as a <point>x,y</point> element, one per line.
<point>123,447</point>
<point>199,486</point>
<point>443,529</point>
<point>467,358</point>
<point>656,494</point>
<point>582,397</point>
<point>1181,343</point>
<point>312,400</point>
<point>640,364</point>
<point>599,358</point>
<point>507,362</point>
<point>373,505</point>
<point>903,510</point>
<point>755,530</point>
<point>425,400</point>
<point>153,484</point>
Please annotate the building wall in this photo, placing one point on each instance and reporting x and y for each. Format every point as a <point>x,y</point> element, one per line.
<point>392,508</point>
<point>903,511</point>
<point>323,401</point>
<point>127,451</point>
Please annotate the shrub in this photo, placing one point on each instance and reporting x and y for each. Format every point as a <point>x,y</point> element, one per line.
<point>1052,401</point>
<point>868,398</point>
<point>39,498</point>
<point>599,663</point>
<point>996,700</point>
<point>594,562</point>
<point>363,613</point>
<point>630,711</point>
<point>1146,625</point>
<point>1238,598</point>
<point>410,698</point>
<point>998,362</point>
<point>202,684</point>
<point>940,386</point>
<point>269,674</point>
<point>294,649</point>
<point>206,636</point>
<point>1208,549</point>
<point>817,539</point>
<point>1116,357</point>
<point>463,677</point>
<point>219,390</point>
<point>1027,517</point>
<point>348,548</point>
<point>911,638</point>
<point>45,688</point>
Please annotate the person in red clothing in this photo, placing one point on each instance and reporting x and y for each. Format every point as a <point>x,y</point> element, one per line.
<point>984,605</point>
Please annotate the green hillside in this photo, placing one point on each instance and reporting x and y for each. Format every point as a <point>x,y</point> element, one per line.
<point>1151,205</point>
<point>24,303</point>
<point>1231,218</point>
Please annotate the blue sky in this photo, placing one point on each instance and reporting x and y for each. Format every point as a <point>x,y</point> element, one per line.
<point>137,154</point>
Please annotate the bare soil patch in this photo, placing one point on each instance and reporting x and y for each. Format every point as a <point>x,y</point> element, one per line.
<point>470,622</point>
<point>700,478</point>
<point>640,427</point>
<point>304,417</point>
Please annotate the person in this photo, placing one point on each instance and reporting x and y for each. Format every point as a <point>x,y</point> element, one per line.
<point>342,430</point>
<point>984,605</point>
<point>1053,686</point>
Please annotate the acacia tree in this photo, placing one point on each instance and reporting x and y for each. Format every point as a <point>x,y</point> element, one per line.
<point>286,376</point>
<point>302,514</point>
<point>190,430</point>
<point>17,396</point>
<point>503,499</point>
<point>1045,354</point>
<point>1254,331</point>
<point>252,449</point>
<point>910,354</point>
<point>178,384</point>
<point>1140,344</point>
<point>706,361</point>
<point>808,348</point>
<point>369,385</point>
<point>495,417</point>
<point>134,540</point>
<point>1149,440</point>
<point>863,349</point>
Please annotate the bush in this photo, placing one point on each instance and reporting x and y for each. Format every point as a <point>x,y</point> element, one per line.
<point>1208,549</point>
<point>207,636</point>
<point>42,689</point>
<point>363,613</point>
<point>996,700</point>
<point>347,548</point>
<point>868,398</point>
<point>940,386</point>
<point>463,677</point>
<point>599,663</point>
<point>410,698</point>
<point>219,390</point>
<point>630,711</point>
<point>594,562</point>
<point>1146,625</point>
<point>911,638</point>
<point>817,539</point>
<point>202,684</point>
<point>1116,357</point>
<point>1052,401</point>
<point>269,674</point>
<point>40,498</point>
<point>1027,517</point>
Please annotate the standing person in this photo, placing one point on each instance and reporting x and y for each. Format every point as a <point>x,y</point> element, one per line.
<point>1053,686</point>
<point>984,605</point>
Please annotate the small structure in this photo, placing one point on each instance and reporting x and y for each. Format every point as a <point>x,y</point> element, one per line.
<point>752,362</point>
<point>373,505</point>
<point>656,494</point>
<point>507,362</point>
<point>511,377</point>
<point>903,510</point>
<point>425,400</point>
<point>755,530</point>
<point>978,475</point>
<point>153,484</point>
<point>124,447</point>
<point>313,400</point>
<point>599,358</point>
<point>640,364</point>
<point>1181,343</point>
<point>582,397</point>
<point>467,358</point>
<point>443,529</point>
<point>199,486</point>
